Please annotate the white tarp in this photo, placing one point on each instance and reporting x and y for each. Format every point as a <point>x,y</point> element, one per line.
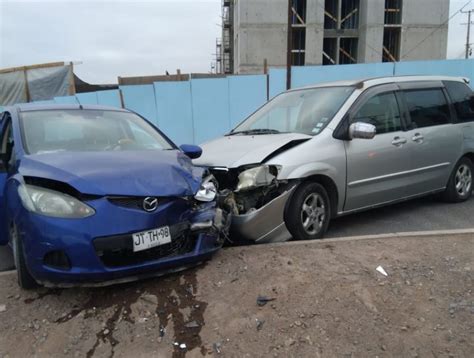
<point>43,84</point>
<point>12,88</point>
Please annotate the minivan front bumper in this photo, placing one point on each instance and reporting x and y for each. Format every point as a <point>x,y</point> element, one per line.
<point>263,225</point>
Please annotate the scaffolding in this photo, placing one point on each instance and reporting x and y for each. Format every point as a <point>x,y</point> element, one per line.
<point>298,32</point>
<point>341,22</point>
<point>392,31</point>
<point>225,45</point>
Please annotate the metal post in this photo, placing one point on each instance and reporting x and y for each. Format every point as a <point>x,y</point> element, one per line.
<point>468,38</point>
<point>468,43</point>
<point>290,46</point>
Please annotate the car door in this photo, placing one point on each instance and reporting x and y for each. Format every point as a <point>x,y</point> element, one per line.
<point>376,168</point>
<point>435,142</point>
<point>4,135</point>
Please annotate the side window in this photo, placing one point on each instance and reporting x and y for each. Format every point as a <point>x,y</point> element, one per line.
<point>427,107</point>
<point>382,111</point>
<point>460,94</point>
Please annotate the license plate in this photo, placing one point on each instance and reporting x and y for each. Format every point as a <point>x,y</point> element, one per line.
<point>151,238</point>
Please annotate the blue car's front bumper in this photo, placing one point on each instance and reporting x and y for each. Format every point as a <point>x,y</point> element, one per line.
<point>98,250</point>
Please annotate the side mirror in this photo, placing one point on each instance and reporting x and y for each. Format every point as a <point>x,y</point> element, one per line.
<point>362,130</point>
<point>471,102</point>
<point>192,151</point>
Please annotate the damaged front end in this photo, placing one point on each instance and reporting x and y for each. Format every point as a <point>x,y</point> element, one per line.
<point>209,217</point>
<point>256,200</point>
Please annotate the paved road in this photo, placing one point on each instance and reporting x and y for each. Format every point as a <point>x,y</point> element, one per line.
<point>424,214</point>
<point>418,215</point>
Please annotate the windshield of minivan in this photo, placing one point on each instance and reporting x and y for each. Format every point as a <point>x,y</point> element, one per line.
<point>81,130</point>
<point>303,111</point>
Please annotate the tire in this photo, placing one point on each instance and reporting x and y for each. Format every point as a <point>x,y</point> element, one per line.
<point>309,212</point>
<point>460,183</point>
<point>25,280</point>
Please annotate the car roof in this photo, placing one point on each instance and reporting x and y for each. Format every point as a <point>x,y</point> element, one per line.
<point>26,107</point>
<point>375,81</point>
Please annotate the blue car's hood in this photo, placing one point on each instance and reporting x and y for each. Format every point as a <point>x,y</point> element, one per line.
<point>133,173</point>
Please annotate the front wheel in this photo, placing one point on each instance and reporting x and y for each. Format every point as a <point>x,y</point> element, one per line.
<point>309,211</point>
<point>459,188</point>
<point>25,280</point>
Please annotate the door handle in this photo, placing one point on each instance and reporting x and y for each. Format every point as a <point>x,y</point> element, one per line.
<point>418,138</point>
<point>398,141</point>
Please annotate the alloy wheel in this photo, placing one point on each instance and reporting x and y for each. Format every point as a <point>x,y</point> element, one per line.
<point>463,180</point>
<point>313,213</point>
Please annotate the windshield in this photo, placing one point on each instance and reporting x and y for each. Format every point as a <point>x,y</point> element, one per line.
<point>88,130</point>
<point>302,111</point>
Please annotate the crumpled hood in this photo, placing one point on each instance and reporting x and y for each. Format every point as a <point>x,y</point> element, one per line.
<point>133,173</point>
<point>237,150</point>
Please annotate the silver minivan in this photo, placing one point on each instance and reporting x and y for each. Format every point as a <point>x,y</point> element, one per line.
<point>316,153</point>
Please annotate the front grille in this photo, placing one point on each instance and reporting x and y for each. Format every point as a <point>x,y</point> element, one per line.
<point>134,202</point>
<point>116,251</point>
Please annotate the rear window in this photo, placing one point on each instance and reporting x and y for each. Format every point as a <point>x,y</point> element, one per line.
<point>427,107</point>
<point>460,94</point>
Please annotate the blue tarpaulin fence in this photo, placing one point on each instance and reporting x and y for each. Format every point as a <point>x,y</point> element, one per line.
<point>198,110</point>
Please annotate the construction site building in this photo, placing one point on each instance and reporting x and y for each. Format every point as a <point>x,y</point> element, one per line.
<point>329,32</point>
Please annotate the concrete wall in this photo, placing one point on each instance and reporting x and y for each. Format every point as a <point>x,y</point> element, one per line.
<point>371,28</point>
<point>260,33</point>
<point>314,32</point>
<point>420,18</point>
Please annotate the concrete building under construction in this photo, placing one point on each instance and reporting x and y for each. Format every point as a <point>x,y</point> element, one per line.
<point>329,32</point>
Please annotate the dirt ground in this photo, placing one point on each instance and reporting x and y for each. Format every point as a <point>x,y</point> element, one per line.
<point>328,301</point>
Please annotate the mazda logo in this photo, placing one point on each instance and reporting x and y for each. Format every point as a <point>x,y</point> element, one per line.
<point>150,204</point>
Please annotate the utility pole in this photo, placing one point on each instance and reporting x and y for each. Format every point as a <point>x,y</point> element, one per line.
<point>468,39</point>
<point>289,45</point>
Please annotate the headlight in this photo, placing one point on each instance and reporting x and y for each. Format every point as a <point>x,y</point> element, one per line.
<point>207,192</point>
<point>259,176</point>
<point>52,203</point>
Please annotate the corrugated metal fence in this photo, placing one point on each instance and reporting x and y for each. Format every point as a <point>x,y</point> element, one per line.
<point>201,109</point>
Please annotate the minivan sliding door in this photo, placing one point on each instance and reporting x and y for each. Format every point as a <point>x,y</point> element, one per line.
<point>434,141</point>
<point>376,167</point>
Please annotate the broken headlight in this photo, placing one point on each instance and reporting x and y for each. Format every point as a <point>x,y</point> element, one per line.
<point>208,190</point>
<point>262,175</point>
<point>52,203</point>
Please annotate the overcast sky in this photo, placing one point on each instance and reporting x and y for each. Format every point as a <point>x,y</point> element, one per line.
<point>128,38</point>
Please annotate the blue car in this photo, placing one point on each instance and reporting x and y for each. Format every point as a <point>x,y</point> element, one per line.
<point>91,196</point>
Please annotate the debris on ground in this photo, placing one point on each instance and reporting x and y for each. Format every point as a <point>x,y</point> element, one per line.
<point>217,347</point>
<point>192,324</point>
<point>263,300</point>
<point>381,270</point>
<point>260,324</point>
<point>328,305</point>
<point>3,308</point>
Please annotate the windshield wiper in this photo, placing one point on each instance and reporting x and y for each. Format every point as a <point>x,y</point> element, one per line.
<point>255,132</point>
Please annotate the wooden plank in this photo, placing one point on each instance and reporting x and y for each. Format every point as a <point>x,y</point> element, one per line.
<point>328,14</point>
<point>72,84</point>
<point>349,15</point>
<point>298,16</point>
<point>122,102</point>
<point>31,67</point>
<point>390,56</point>
<point>344,52</point>
<point>329,58</point>
<point>27,88</point>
